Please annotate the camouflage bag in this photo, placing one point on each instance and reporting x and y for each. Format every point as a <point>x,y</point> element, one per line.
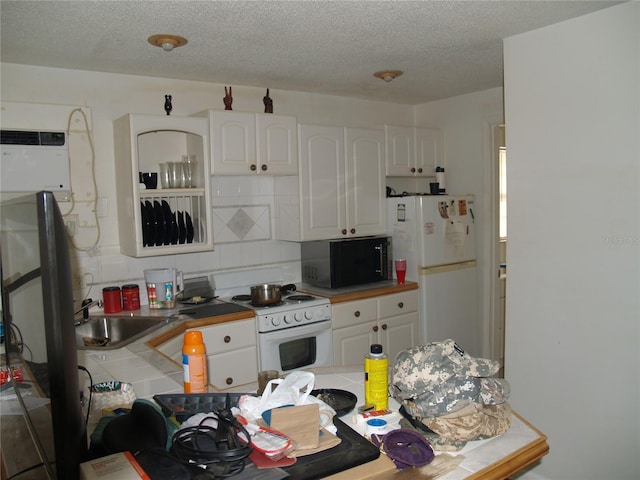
<point>439,378</point>
<point>473,422</point>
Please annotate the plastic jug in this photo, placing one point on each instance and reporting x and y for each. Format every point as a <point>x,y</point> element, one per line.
<point>163,285</point>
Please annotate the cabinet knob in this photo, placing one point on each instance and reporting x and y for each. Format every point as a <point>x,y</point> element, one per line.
<point>375,328</point>
<point>227,339</point>
<point>353,230</point>
<point>419,170</point>
<point>400,305</point>
<point>229,381</point>
<point>413,170</point>
<point>344,231</point>
<point>384,326</point>
<point>264,168</point>
<point>253,167</point>
<point>357,313</point>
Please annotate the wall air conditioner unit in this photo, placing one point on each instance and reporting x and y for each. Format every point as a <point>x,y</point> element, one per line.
<point>31,161</point>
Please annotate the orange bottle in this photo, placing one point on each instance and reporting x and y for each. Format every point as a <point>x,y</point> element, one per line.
<point>194,363</point>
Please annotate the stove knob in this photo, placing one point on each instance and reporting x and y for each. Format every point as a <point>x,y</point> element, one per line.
<point>298,316</point>
<point>287,319</point>
<point>308,315</point>
<point>275,321</point>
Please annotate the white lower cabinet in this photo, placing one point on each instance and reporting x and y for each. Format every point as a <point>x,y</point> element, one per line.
<point>390,320</point>
<point>232,352</point>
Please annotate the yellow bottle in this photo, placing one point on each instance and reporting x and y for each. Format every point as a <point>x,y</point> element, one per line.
<point>376,373</point>
<point>194,363</point>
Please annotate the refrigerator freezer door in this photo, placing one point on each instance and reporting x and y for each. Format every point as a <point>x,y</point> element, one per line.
<point>446,229</point>
<point>449,305</point>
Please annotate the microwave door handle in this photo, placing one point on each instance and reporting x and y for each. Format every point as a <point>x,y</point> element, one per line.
<point>380,259</point>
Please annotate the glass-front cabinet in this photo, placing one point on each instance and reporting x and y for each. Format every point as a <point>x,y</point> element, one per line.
<point>163,173</point>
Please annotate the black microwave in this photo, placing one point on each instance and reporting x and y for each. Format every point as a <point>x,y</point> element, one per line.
<point>342,263</point>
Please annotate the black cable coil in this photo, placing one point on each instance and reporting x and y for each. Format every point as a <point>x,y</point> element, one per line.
<point>222,451</point>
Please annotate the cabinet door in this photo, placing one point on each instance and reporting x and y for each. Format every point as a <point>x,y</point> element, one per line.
<point>277,144</point>
<point>322,185</point>
<point>233,143</point>
<point>398,333</point>
<point>400,155</point>
<point>351,344</point>
<point>428,147</point>
<point>233,368</point>
<point>147,224</point>
<point>365,182</point>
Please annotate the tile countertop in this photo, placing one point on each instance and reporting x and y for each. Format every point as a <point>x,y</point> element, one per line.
<point>493,458</point>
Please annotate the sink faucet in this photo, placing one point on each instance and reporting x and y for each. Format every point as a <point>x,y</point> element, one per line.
<point>86,305</point>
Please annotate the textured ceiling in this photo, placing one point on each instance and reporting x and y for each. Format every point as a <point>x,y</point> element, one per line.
<point>445,48</point>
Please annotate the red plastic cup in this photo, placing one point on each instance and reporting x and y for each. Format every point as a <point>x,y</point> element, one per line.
<point>401,270</point>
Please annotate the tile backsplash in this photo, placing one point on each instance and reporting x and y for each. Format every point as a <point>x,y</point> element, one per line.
<point>243,231</point>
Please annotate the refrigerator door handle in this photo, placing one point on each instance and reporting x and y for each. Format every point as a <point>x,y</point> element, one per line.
<point>446,268</point>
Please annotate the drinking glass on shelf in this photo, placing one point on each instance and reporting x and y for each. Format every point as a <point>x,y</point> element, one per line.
<point>176,175</point>
<point>165,180</point>
<point>401,270</point>
<point>188,166</point>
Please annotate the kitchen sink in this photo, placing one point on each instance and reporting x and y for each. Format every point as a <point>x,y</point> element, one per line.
<point>111,332</point>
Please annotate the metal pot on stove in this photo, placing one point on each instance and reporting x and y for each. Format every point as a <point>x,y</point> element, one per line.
<point>269,294</point>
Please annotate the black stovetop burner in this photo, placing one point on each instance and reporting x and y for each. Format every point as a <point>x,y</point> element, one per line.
<point>241,298</point>
<point>300,298</point>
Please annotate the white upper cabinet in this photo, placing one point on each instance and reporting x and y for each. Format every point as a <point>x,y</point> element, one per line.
<point>163,220</point>
<point>246,143</point>
<point>276,144</point>
<point>365,199</point>
<point>340,189</point>
<point>413,151</point>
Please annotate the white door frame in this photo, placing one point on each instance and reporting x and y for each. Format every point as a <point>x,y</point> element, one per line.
<point>492,345</point>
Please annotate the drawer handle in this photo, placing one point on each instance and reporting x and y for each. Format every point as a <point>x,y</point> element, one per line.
<point>384,326</point>
<point>227,339</point>
<point>357,313</point>
<point>400,305</point>
<point>229,381</point>
<point>375,328</point>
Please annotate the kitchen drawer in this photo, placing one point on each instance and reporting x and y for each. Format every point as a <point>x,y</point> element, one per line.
<point>353,313</point>
<point>229,336</point>
<point>397,304</point>
<point>233,368</point>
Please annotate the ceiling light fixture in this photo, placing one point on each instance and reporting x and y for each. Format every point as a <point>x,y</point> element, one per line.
<point>166,41</point>
<point>388,75</point>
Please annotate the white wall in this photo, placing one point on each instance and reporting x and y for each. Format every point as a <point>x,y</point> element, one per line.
<point>467,120</point>
<point>572,108</point>
<point>109,96</point>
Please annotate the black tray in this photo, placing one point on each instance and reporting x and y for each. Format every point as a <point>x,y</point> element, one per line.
<point>352,451</point>
<point>184,405</point>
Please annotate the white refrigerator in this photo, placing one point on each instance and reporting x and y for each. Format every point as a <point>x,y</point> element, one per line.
<point>436,235</point>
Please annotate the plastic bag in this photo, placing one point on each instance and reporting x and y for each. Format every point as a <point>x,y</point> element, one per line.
<point>294,389</point>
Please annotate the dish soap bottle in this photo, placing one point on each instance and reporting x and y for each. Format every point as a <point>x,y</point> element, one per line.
<point>194,363</point>
<point>376,372</point>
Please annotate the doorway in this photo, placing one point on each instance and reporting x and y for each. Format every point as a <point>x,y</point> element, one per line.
<point>500,290</point>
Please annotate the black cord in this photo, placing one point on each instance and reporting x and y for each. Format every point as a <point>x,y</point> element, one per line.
<point>221,450</point>
<point>86,420</point>
<point>28,469</point>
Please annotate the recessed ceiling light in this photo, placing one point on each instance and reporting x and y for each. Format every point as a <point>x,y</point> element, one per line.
<point>166,41</point>
<point>388,75</point>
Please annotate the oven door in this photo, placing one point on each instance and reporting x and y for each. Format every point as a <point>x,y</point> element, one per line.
<point>296,347</point>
